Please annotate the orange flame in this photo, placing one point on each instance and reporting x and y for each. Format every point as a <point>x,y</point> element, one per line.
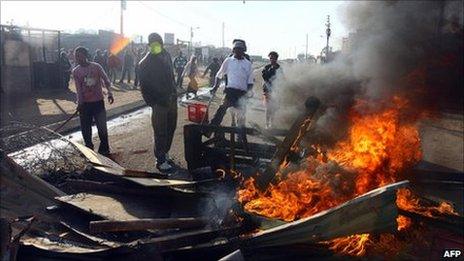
<point>376,150</point>
<point>119,44</point>
<point>352,245</point>
<point>379,146</point>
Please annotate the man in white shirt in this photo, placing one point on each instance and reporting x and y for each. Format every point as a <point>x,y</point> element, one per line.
<point>239,81</point>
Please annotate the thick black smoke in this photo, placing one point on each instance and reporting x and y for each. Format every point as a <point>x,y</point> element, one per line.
<point>408,48</point>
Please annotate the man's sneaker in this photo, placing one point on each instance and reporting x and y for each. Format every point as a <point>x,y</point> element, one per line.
<point>164,167</point>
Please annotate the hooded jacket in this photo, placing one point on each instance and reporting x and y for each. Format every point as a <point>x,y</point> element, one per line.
<point>157,78</point>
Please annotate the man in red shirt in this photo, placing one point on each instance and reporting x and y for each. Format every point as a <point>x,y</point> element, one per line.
<point>89,77</point>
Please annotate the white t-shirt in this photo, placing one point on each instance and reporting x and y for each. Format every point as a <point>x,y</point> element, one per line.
<point>239,73</point>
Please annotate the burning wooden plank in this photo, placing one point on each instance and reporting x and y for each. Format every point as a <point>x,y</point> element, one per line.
<point>375,211</point>
<point>296,133</point>
<point>146,223</point>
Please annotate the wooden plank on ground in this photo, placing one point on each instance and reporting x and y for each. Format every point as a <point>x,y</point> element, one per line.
<point>116,207</point>
<point>114,171</point>
<point>146,223</point>
<point>123,207</point>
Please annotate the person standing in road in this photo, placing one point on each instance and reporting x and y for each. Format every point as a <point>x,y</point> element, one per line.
<point>213,68</point>
<point>269,75</point>
<point>179,63</point>
<point>239,82</point>
<point>159,92</point>
<point>114,65</point>
<point>65,67</point>
<point>89,77</point>
<point>105,61</point>
<point>127,66</point>
<point>191,70</point>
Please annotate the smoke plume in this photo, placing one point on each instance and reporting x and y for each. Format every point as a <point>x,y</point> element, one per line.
<point>408,48</point>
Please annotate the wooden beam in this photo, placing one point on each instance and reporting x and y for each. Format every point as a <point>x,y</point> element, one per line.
<point>146,223</point>
<point>296,133</point>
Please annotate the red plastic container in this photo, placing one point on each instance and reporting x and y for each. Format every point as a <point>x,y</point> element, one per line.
<point>196,112</point>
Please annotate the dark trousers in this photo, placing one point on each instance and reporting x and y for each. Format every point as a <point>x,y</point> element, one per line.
<point>212,78</point>
<point>94,111</point>
<point>164,122</point>
<point>65,80</point>
<point>136,81</point>
<point>126,70</point>
<point>180,79</point>
<point>234,99</point>
<point>113,74</point>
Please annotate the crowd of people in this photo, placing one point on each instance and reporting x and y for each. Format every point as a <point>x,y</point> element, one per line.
<point>156,73</point>
<point>112,64</point>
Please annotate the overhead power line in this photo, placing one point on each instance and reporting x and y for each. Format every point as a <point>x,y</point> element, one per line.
<point>163,15</point>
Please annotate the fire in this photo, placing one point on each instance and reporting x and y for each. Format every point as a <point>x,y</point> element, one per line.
<point>352,245</point>
<point>403,222</point>
<point>406,200</point>
<point>379,146</point>
<point>297,197</point>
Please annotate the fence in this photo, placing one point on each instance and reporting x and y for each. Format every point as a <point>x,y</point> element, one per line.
<point>29,59</point>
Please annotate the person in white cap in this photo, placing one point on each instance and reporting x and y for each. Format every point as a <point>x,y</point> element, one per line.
<point>239,81</point>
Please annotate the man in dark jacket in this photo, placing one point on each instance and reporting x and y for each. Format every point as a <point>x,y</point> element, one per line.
<point>159,92</point>
<point>269,75</point>
<point>179,64</point>
<point>213,68</point>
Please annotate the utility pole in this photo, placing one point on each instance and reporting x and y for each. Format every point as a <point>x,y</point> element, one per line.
<point>190,43</point>
<point>223,27</point>
<point>191,39</point>
<point>328,33</point>
<point>306,52</point>
<point>123,7</point>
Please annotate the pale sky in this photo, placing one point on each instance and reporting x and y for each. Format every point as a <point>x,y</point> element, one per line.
<point>265,25</point>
